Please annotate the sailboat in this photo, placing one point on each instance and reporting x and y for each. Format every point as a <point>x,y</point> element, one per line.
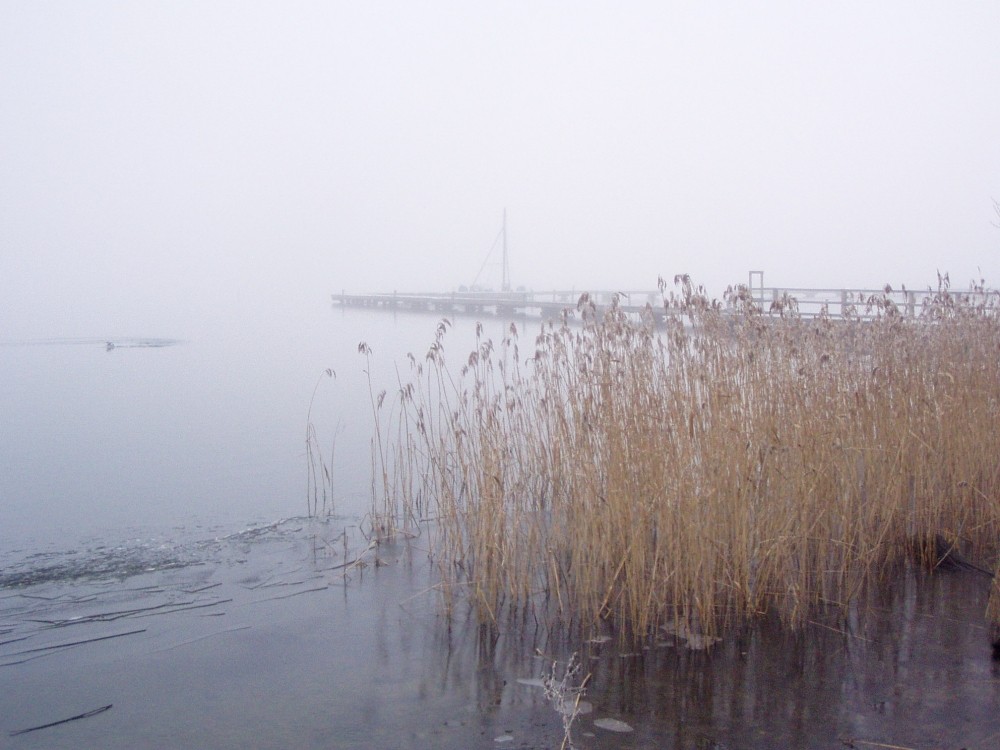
<point>501,239</point>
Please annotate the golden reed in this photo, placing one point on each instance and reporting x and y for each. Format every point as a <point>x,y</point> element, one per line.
<point>740,461</point>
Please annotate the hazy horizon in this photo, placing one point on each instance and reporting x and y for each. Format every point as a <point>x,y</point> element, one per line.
<point>170,166</point>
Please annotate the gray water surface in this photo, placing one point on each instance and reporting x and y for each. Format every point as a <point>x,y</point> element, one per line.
<point>154,558</point>
<point>266,639</point>
<point>102,445</point>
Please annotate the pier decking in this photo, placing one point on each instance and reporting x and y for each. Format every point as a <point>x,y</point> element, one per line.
<point>809,302</point>
<point>515,304</point>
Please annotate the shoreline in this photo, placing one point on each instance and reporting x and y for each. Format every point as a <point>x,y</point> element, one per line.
<point>266,646</point>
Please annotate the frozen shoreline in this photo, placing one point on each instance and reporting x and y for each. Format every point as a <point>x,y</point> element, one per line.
<point>262,643</point>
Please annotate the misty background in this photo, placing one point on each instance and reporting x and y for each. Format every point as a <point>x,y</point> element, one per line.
<point>210,171</point>
<point>167,168</point>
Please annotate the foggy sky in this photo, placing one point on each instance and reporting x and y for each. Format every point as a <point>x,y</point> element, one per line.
<point>162,163</point>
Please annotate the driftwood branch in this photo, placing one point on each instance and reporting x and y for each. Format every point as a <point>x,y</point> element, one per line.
<point>54,646</point>
<point>85,715</point>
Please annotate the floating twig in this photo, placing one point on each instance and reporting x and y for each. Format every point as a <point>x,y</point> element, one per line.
<point>352,563</point>
<point>187,607</point>
<point>55,646</point>
<point>838,630</point>
<point>110,616</point>
<point>283,583</point>
<point>202,588</point>
<point>85,715</point>
<point>15,640</point>
<point>289,596</point>
<point>201,638</point>
<point>258,584</point>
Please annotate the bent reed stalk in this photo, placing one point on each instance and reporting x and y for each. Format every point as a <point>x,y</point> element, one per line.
<point>739,462</point>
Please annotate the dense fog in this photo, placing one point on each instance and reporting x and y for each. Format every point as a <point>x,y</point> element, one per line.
<point>168,168</point>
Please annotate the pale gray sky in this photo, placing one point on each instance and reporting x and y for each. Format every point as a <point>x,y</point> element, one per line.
<point>161,160</point>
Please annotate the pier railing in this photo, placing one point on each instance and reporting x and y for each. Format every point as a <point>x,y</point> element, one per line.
<point>521,303</point>
<point>772,301</point>
<point>857,303</point>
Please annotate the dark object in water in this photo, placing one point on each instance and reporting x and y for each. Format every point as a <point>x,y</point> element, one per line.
<point>85,715</point>
<point>112,344</point>
<point>946,555</point>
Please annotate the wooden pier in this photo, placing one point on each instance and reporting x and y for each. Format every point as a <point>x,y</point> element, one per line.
<point>500,304</point>
<point>773,301</point>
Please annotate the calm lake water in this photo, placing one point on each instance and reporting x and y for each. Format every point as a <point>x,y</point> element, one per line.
<point>208,433</point>
<point>145,564</point>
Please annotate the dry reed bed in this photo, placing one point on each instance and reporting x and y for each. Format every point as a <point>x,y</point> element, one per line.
<point>734,464</point>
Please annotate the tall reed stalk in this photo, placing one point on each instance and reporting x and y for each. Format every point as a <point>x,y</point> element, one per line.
<point>737,462</point>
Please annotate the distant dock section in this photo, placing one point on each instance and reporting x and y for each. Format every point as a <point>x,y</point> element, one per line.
<point>771,301</point>
<point>502,304</point>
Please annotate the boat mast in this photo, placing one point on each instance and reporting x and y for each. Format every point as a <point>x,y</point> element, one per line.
<point>505,284</point>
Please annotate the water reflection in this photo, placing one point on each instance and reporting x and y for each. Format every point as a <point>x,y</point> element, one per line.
<point>911,667</point>
<point>267,639</point>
